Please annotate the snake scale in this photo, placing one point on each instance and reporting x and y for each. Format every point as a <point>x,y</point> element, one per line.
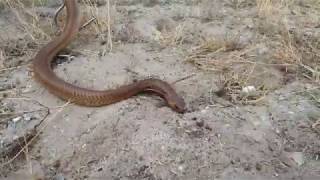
<point>43,73</point>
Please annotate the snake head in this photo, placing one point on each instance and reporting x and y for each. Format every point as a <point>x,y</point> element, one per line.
<point>176,103</point>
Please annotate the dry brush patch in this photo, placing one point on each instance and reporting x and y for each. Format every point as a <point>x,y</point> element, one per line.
<point>237,88</point>
<point>296,47</point>
<point>290,51</point>
<point>299,48</point>
<point>215,54</point>
<point>238,72</point>
<point>303,52</point>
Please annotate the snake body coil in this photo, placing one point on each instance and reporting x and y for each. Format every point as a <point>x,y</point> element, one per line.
<point>43,73</point>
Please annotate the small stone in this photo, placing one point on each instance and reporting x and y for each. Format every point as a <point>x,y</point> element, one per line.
<point>1,143</point>
<point>205,110</point>
<point>297,157</point>
<point>258,167</point>
<point>99,169</point>
<point>59,177</point>
<point>208,127</point>
<point>27,117</point>
<point>181,168</point>
<point>200,123</point>
<point>248,89</point>
<point>15,120</point>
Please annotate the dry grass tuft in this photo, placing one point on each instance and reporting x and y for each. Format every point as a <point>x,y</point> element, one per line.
<point>297,53</point>
<point>272,8</point>
<point>297,49</point>
<point>265,7</point>
<point>237,88</point>
<point>238,72</point>
<point>171,38</point>
<point>303,52</point>
<point>216,55</point>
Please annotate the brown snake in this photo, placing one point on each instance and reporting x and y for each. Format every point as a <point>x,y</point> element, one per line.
<point>44,74</point>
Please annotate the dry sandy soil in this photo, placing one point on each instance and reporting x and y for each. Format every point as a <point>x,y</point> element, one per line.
<point>249,72</point>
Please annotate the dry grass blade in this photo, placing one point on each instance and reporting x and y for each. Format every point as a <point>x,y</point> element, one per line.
<point>109,26</point>
<point>2,58</point>
<point>265,7</point>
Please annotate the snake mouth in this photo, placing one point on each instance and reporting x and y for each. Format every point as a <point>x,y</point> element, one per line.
<point>177,108</point>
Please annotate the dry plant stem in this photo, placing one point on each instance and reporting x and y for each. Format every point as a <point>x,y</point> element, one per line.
<point>2,115</point>
<point>87,23</point>
<point>58,11</point>
<point>11,68</point>
<point>184,78</point>
<point>56,14</point>
<point>109,26</point>
<point>316,124</point>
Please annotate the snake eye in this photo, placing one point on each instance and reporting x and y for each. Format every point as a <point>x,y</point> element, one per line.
<point>176,106</point>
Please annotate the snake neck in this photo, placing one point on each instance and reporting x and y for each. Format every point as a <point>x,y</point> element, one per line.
<point>49,51</point>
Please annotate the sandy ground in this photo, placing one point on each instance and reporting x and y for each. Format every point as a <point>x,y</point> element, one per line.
<point>274,135</point>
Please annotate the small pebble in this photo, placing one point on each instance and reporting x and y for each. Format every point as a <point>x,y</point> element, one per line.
<point>297,157</point>
<point>59,177</point>
<point>17,119</point>
<point>200,123</point>
<point>248,89</point>
<point>180,168</point>
<point>27,117</point>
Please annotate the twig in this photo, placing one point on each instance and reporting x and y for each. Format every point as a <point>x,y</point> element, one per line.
<point>184,78</point>
<point>109,26</point>
<point>21,113</point>
<point>12,68</point>
<point>56,14</point>
<point>87,23</point>
<point>315,125</point>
